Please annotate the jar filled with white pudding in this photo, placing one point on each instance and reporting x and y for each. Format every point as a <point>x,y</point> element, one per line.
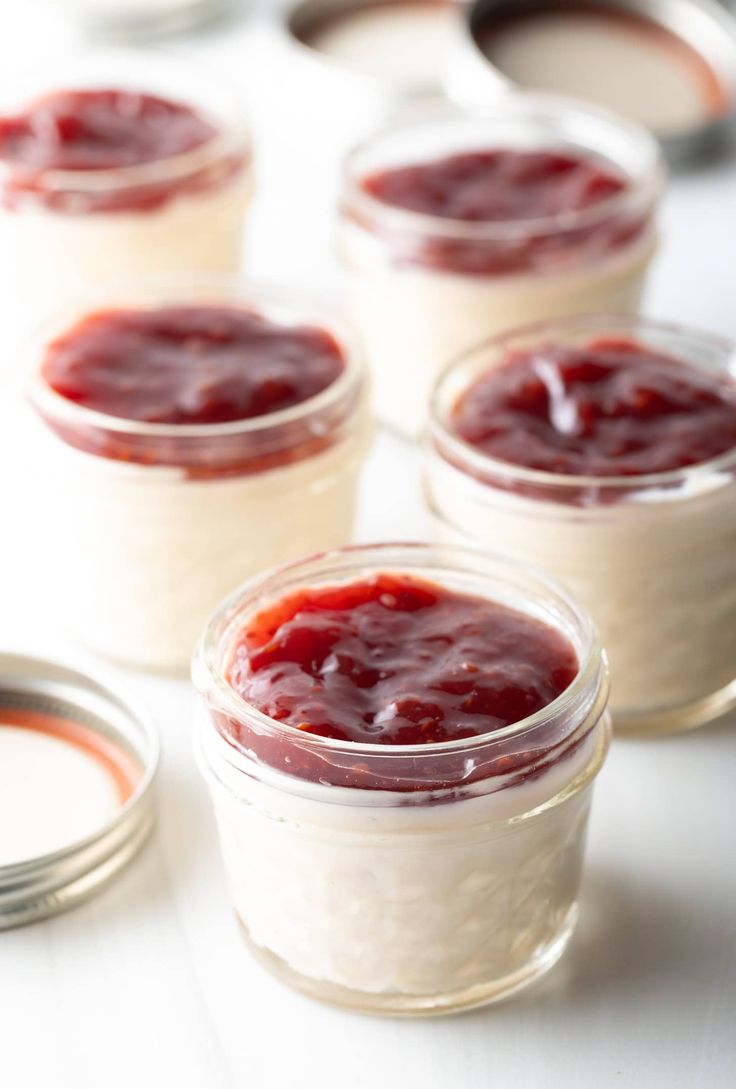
<point>112,166</point>
<point>190,439</point>
<point>401,745</point>
<point>455,227</point>
<point>603,450</point>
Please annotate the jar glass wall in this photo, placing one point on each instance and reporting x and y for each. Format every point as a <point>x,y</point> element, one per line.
<point>405,878</point>
<point>652,557</point>
<point>424,288</point>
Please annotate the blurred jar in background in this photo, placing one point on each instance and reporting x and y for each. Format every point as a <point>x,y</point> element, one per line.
<point>113,166</point>
<point>457,226</point>
<point>124,18</point>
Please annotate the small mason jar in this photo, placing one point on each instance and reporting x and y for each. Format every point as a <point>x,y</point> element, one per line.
<point>140,18</point>
<point>652,557</point>
<point>156,522</point>
<point>405,879</point>
<point>62,231</point>
<point>424,288</point>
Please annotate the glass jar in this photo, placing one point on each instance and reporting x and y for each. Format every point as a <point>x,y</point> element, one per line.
<point>156,522</point>
<point>415,878</point>
<point>140,18</point>
<point>424,288</point>
<point>653,558</point>
<point>64,231</point>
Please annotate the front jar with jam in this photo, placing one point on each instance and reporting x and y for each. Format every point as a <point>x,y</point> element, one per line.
<point>190,436</point>
<point>401,743</point>
<point>603,451</point>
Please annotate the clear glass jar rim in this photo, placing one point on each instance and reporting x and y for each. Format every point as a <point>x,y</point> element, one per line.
<point>644,190</point>
<point>231,137</point>
<point>469,455</point>
<point>209,677</point>
<point>236,141</point>
<point>236,293</point>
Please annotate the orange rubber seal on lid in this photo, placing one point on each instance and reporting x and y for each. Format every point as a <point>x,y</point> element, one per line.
<point>124,770</point>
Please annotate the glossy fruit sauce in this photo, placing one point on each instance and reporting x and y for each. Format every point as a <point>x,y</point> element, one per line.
<point>606,409</point>
<point>90,131</point>
<point>394,660</point>
<point>542,193</point>
<point>184,365</point>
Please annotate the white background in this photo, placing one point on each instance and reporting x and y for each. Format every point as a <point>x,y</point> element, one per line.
<point>149,985</point>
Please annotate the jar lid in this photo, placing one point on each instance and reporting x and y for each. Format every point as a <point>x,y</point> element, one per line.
<point>401,45</point>
<point>141,18</point>
<point>77,766</point>
<point>668,64</point>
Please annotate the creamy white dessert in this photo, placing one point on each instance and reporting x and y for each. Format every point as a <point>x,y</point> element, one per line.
<point>414,322</point>
<point>455,228</point>
<point>166,548</point>
<point>658,573</point>
<point>416,900</point>
<point>102,181</point>
<point>159,520</point>
<point>48,258</point>
<point>651,556</point>
<point>421,897</point>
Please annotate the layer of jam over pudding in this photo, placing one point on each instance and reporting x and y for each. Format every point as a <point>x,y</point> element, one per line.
<point>89,131</point>
<point>394,660</point>
<point>606,409</point>
<point>185,365</point>
<point>522,189</point>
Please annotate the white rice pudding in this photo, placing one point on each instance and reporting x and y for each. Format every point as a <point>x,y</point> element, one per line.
<point>402,894</point>
<point>651,555</point>
<point>456,227</point>
<point>112,173</point>
<point>158,520</point>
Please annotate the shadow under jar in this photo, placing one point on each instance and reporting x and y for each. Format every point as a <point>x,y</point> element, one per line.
<point>646,537</point>
<point>192,435</point>
<point>457,226</point>
<point>115,165</point>
<point>372,865</point>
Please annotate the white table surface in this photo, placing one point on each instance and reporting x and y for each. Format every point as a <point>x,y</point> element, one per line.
<point>148,985</point>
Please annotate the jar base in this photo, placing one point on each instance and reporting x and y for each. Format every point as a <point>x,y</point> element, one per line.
<point>671,720</point>
<point>393,1004</point>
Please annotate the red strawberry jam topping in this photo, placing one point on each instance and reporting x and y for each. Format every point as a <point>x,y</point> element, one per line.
<point>609,408</point>
<point>98,130</point>
<point>185,365</point>
<point>393,660</point>
<point>504,186</point>
<point>497,186</point>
